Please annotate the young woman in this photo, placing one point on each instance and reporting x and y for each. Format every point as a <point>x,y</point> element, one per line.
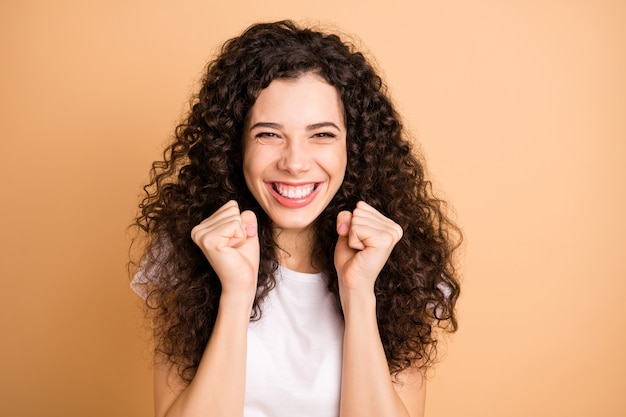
<point>297,262</point>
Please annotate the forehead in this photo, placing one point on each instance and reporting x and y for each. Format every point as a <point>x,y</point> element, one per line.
<point>307,99</point>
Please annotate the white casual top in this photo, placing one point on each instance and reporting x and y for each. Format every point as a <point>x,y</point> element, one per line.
<point>293,366</point>
<point>295,350</point>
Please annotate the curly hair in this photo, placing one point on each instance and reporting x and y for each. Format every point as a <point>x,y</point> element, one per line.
<point>202,169</point>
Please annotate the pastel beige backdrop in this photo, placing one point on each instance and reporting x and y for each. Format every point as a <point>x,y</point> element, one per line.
<point>519,106</point>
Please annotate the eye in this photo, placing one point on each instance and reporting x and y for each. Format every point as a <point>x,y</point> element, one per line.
<point>266,137</point>
<point>324,137</point>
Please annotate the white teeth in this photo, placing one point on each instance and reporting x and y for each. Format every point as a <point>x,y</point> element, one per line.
<point>294,192</point>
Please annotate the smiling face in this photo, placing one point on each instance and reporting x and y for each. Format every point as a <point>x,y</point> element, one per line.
<point>294,150</point>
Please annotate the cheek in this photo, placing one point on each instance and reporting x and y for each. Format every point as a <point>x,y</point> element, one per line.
<point>249,170</point>
<point>336,166</point>
<point>342,162</point>
<point>250,161</point>
<point>256,161</point>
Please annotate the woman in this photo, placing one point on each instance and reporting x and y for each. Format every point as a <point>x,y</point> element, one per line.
<point>296,260</point>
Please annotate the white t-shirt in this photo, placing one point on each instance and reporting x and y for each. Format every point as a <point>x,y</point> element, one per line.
<point>295,350</point>
<point>293,366</point>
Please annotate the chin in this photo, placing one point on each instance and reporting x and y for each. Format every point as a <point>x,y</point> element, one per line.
<point>293,223</point>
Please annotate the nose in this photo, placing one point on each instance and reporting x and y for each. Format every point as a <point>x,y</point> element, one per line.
<point>295,157</point>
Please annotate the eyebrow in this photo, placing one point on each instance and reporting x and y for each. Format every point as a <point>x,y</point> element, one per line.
<point>278,126</point>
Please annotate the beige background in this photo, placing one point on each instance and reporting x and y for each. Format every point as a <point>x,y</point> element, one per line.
<point>520,107</point>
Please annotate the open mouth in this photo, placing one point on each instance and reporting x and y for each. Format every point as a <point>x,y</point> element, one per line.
<point>294,192</point>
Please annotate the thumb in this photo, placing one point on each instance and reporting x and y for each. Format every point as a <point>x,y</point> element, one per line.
<point>249,222</point>
<point>343,252</point>
<point>344,219</point>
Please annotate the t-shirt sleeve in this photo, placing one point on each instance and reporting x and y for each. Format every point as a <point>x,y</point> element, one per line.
<point>150,270</point>
<point>141,283</point>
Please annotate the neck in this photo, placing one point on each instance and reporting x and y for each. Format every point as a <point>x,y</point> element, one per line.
<point>294,249</point>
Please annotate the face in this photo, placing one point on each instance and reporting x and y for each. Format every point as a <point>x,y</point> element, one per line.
<point>294,149</point>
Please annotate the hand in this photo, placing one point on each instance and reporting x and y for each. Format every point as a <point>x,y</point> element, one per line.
<point>229,241</point>
<point>366,239</point>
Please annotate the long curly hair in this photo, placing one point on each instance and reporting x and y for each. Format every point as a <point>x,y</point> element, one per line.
<point>202,169</point>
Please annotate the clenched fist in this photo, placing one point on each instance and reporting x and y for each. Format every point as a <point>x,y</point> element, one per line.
<point>228,239</point>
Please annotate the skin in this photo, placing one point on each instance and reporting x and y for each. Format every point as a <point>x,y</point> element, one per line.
<point>284,148</point>
<point>298,150</point>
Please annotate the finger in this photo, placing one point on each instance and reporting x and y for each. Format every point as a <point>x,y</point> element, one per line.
<point>216,223</point>
<point>249,222</point>
<point>363,205</point>
<point>238,233</point>
<point>343,251</point>
<point>230,206</point>
<point>355,240</point>
<point>366,215</point>
<point>344,220</point>
<point>364,211</point>
<point>226,212</point>
<point>223,228</point>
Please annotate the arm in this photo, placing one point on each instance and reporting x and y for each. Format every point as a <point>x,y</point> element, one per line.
<point>366,239</point>
<point>228,240</point>
<point>367,388</point>
<point>217,389</point>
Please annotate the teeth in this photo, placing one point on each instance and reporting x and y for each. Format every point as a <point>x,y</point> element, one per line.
<point>294,192</point>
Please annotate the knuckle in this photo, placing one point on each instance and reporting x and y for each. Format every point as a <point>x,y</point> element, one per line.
<point>194,233</point>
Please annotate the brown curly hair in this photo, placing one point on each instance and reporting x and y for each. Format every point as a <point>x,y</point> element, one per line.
<point>202,169</point>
